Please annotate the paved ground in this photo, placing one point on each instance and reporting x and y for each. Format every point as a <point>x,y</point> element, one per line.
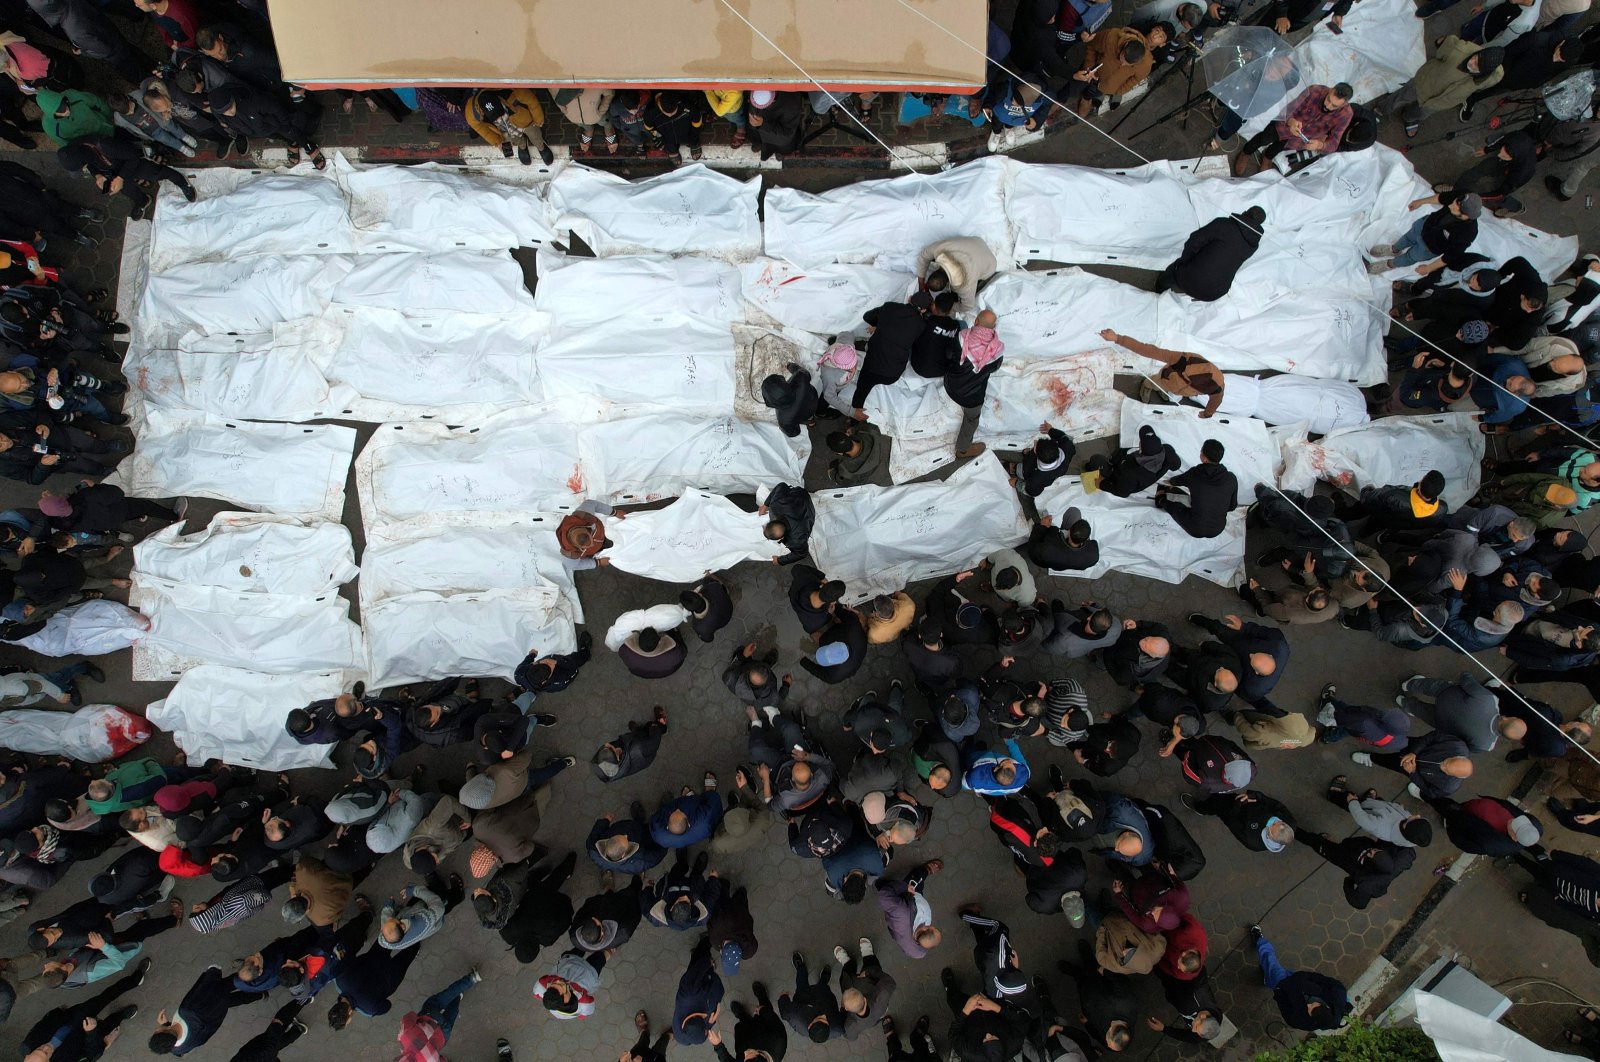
<point>1293,894</point>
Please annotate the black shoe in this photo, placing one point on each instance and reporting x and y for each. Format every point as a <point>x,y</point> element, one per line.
<point>359,690</point>
<point>223,148</point>
<point>75,695</point>
<point>1198,619</point>
<point>502,1049</point>
<point>1187,801</point>
<point>1329,692</point>
<point>1465,113</point>
<point>547,156</point>
<point>1255,934</point>
<point>83,239</point>
<point>1058,781</point>
<point>636,809</point>
<point>585,640</point>
<point>94,673</point>
<point>92,214</point>
<point>141,970</point>
<point>1554,184</point>
<point>525,156</point>
<point>241,145</point>
<point>507,150</point>
<point>546,719</point>
<point>947,977</point>
<point>189,192</point>
<point>799,961</point>
<point>116,418</point>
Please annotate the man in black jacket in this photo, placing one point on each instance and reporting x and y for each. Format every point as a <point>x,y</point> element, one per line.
<point>200,1013</point>
<point>1262,651</point>
<point>813,1010</point>
<point>1531,60</point>
<point>1259,822</point>
<point>1306,999</point>
<point>759,1030</point>
<point>1068,548</point>
<point>630,752</point>
<point>245,111</point>
<point>709,605</point>
<point>1129,471</point>
<point>1045,462</point>
<point>893,329</point>
<point>791,516</point>
<point>1140,655</point>
<point>1213,493</point>
<point>1369,864</point>
<point>1213,254</point>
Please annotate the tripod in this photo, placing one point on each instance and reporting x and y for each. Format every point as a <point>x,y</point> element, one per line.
<point>1190,100</point>
<point>831,124</point>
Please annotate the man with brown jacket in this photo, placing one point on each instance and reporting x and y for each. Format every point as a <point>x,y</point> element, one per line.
<point>323,892</point>
<point>1118,60</point>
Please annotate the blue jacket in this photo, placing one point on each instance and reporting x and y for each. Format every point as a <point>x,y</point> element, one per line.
<point>699,992</point>
<point>1460,630</point>
<point>704,811</point>
<point>979,765</point>
<point>1499,405</point>
<point>1123,815</point>
<point>647,855</point>
<point>859,852</point>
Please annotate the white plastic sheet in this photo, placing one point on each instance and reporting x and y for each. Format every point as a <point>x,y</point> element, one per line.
<point>1393,451</point>
<point>673,359</point>
<point>1249,452</point>
<point>427,208</point>
<point>423,636</point>
<point>90,628</point>
<point>878,539</point>
<point>699,532</point>
<point>274,375</point>
<point>237,715</point>
<point>520,461</point>
<point>1136,538</point>
<point>275,633</point>
<point>1462,1035</point>
<point>453,556</point>
<point>290,469</point>
<point>582,292</point>
<point>239,294</point>
<point>889,221</point>
<point>446,365</point>
<point>252,552</point>
<point>1060,312</point>
<point>94,733</point>
<point>826,299</point>
<point>453,282</point>
<point>692,210</point>
<point>1083,214</point>
<point>1380,49</point>
<point>274,214</point>
<point>1074,394</point>
<point>657,455</point>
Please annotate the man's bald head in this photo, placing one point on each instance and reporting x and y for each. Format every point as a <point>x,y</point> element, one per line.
<point>1457,767</point>
<point>987,319</point>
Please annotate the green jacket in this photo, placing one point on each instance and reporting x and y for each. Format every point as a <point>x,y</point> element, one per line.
<point>130,786</point>
<point>1441,83</point>
<point>89,115</point>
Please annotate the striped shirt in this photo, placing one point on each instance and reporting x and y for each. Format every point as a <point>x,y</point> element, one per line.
<point>1063,696</point>
<point>232,905</point>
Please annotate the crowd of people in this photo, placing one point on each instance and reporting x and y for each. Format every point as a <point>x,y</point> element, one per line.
<point>989,653</point>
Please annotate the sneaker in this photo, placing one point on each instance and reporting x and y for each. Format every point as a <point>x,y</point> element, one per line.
<point>947,977</point>
<point>1256,934</point>
<point>1414,791</point>
<point>1361,759</point>
<point>475,975</point>
<point>1383,250</point>
<point>1380,266</point>
<point>708,783</point>
<point>1186,800</point>
<point>91,214</point>
<point>1405,687</point>
<point>865,947</point>
<point>841,956</point>
<point>1198,618</point>
<point>127,1013</point>
<point>298,1027</point>
<point>546,719</point>
<point>502,1049</point>
<point>1465,113</point>
<point>189,193</point>
<point>1554,184</point>
<point>141,971</point>
<point>994,143</point>
<point>83,239</point>
<point>1511,212</point>
<point>1072,907</point>
<point>241,145</point>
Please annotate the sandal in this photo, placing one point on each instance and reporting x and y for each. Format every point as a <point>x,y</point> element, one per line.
<point>319,160</point>
<point>641,1021</point>
<point>98,295</point>
<point>697,153</point>
<point>611,143</point>
<point>738,139</point>
<point>585,143</point>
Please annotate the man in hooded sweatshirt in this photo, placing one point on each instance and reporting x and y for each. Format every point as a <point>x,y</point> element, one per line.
<point>958,264</point>
<point>1213,255</point>
<point>1129,471</point>
<point>1213,493</point>
<point>893,329</point>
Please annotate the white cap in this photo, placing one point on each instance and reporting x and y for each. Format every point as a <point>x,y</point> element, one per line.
<point>762,98</point>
